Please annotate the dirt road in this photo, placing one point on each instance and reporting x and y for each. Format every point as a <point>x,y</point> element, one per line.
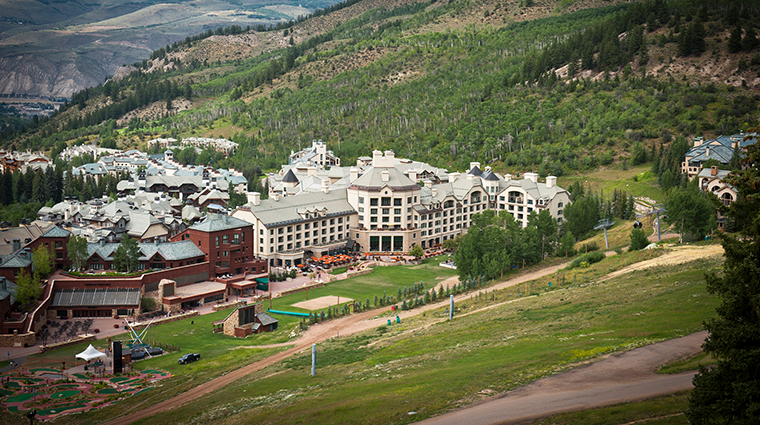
<point>618,378</point>
<point>344,326</point>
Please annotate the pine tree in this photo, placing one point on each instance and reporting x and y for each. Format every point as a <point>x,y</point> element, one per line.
<point>729,393</point>
<point>750,41</point>
<point>735,40</point>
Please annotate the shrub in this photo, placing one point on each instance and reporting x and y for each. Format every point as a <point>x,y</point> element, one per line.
<point>589,247</point>
<point>589,258</point>
<point>148,304</point>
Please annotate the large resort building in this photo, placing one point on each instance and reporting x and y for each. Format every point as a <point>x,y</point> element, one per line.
<point>385,204</point>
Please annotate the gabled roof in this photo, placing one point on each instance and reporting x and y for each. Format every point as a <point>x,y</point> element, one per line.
<point>289,209</point>
<point>475,171</point>
<point>8,291</point>
<point>217,222</point>
<point>56,232</point>
<point>290,177</point>
<point>489,176</point>
<point>266,319</point>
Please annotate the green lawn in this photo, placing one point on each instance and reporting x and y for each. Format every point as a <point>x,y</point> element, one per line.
<point>382,279</point>
<point>425,367</point>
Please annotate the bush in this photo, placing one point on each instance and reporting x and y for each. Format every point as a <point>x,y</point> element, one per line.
<point>589,258</point>
<point>147,304</point>
<point>589,247</point>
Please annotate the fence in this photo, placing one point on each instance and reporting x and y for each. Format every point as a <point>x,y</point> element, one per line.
<point>165,347</point>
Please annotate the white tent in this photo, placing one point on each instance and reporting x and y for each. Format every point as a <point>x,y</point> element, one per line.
<point>90,353</point>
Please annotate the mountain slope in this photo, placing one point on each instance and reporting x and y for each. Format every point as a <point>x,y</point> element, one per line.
<point>565,91</point>
<point>86,42</point>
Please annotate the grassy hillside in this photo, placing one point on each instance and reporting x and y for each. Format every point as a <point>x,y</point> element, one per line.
<point>444,82</point>
<point>428,365</point>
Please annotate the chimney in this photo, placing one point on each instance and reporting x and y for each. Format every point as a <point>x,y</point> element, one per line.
<point>16,244</point>
<point>3,286</point>
<point>26,254</point>
<point>714,170</point>
<point>551,181</point>
<point>412,174</point>
<point>389,157</point>
<point>385,175</point>
<point>311,171</point>
<point>474,164</point>
<point>453,177</point>
<point>508,177</point>
<point>275,196</point>
<point>353,174</point>
<point>532,177</point>
<point>435,192</point>
<point>377,158</point>
<point>428,184</point>
<point>326,185</point>
<point>254,198</point>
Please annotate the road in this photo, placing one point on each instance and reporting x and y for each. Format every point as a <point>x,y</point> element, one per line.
<point>619,378</point>
<point>360,322</point>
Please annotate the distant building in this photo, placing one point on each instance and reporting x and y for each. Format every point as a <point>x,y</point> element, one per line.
<point>24,161</point>
<point>316,155</point>
<point>712,181</point>
<point>721,149</point>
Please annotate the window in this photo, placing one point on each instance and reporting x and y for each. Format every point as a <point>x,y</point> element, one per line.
<point>373,202</point>
<point>298,228</point>
<point>306,226</point>
<point>340,220</point>
<point>361,209</point>
<point>397,219</point>
<point>373,210</point>
<point>373,219</point>
<point>397,211</point>
<point>397,202</point>
<point>225,253</point>
<point>279,230</point>
<point>236,238</point>
<point>386,201</point>
<point>409,200</point>
<point>332,221</point>
<point>216,241</point>
<point>361,199</point>
<point>261,231</point>
<point>386,210</point>
<point>385,219</point>
<point>226,239</point>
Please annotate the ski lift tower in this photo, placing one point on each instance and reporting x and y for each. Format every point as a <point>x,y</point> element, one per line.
<point>658,209</point>
<point>605,223</point>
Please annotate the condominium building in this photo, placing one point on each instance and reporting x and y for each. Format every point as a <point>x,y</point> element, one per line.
<point>387,204</point>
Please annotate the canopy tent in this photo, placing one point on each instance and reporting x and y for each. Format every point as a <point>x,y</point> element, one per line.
<point>90,353</point>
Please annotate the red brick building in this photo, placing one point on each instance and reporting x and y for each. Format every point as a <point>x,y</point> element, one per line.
<point>228,245</point>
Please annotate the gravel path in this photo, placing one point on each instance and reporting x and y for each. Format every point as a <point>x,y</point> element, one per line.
<point>618,378</point>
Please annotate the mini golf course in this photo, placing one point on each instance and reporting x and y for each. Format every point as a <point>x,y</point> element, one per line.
<point>33,389</point>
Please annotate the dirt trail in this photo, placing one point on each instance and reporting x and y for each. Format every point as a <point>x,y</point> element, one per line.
<point>360,322</point>
<point>618,378</point>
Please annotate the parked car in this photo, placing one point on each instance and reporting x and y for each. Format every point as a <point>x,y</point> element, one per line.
<point>189,358</point>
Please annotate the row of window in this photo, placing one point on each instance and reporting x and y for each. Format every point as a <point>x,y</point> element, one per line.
<point>314,242</point>
<point>298,227</point>
<point>386,201</point>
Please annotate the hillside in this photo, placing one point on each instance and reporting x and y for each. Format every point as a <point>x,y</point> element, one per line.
<point>560,87</point>
<point>59,48</point>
